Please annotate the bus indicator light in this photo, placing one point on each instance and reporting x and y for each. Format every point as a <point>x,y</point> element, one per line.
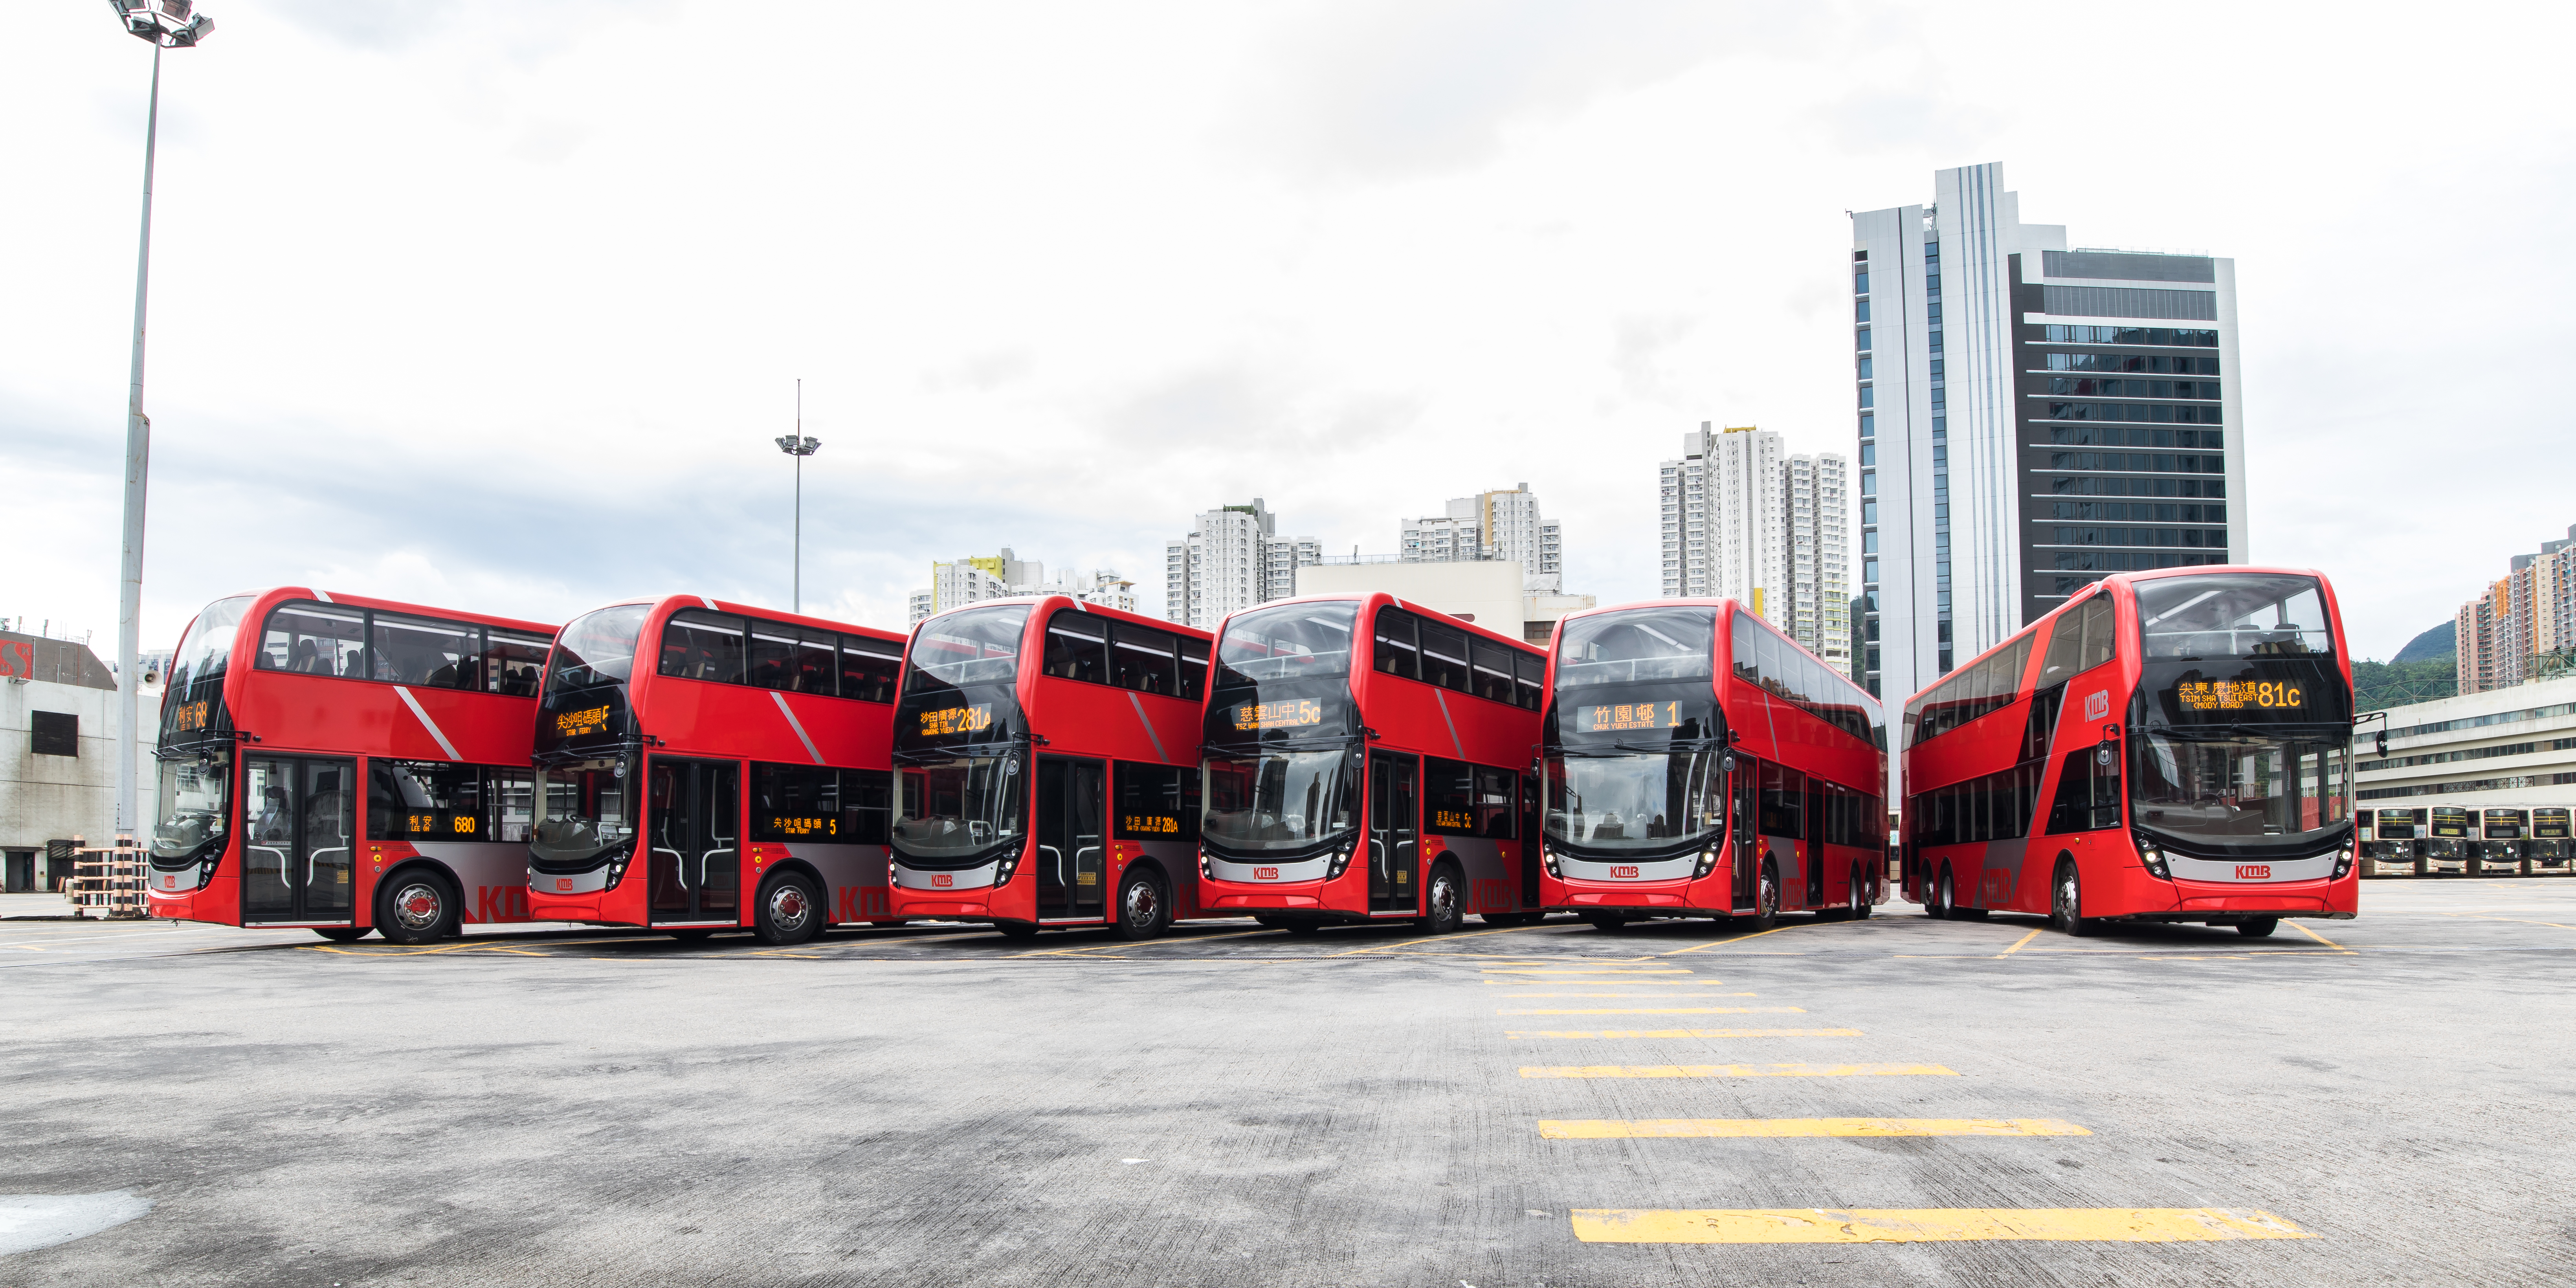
<point>1290,714</point>
<point>955,720</point>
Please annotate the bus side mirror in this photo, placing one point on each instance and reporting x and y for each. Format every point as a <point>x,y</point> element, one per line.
<point>2105,754</point>
<point>1726,763</point>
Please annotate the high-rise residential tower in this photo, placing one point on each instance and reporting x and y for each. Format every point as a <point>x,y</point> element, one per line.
<point>1232,559</point>
<point>1744,520</point>
<point>1815,553</point>
<point>1503,525</point>
<point>2030,418</point>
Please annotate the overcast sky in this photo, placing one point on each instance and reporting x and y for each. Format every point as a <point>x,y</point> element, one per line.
<point>498,303</point>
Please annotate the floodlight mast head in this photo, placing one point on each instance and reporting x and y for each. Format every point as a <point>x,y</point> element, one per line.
<point>171,24</point>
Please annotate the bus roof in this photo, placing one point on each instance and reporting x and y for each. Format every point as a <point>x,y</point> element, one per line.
<point>1378,599</point>
<point>269,597</point>
<point>1057,601</point>
<point>666,604</point>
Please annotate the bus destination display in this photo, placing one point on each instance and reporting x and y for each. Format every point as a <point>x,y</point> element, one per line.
<point>1151,824</point>
<point>1289,714</point>
<point>957,720</point>
<point>2238,695</point>
<point>573,724</point>
<point>796,825</point>
<point>1620,717</point>
<point>459,824</point>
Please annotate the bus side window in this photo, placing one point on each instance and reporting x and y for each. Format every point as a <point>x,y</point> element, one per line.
<point>1781,789</point>
<point>1144,659</point>
<point>2088,794</point>
<point>1492,668</point>
<point>1494,816</point>
<point>869,668</point>
<point>1077,647</point>
<point>2100,626</point>
<point>1194,668</point>
<point>1530,672</point>
<point>2065,646</point>
<point>1449,797</point>
<point>1397,652</point>
<point>1444,656</point>
<point>703,646</point>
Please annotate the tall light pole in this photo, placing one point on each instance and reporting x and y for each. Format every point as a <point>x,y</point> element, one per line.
<point>800,447</point>
<point>168,24</point>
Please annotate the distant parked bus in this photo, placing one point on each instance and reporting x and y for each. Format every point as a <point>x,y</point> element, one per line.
<point>2393,840</point>
<point>2551,845</point>
<point>343,763</point>
<point>747,754</point>
<point>2502,834</point>
<point>1699,763</point>
<point>2452,834</point>
<point>1049,755</point>
<point>1364,762</point>
<point>2166,746</point>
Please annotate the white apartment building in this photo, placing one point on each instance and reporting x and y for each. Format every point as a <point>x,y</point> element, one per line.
<point>1501,525</point>
<point>973,579</point>
<point>1817,555</point>
<point>1232,559</point>
<point>1745,520</point>
<point>1984,351</point>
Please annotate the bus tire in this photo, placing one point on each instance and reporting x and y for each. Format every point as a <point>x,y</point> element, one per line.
<point>787,911</point>
<point>1856,897</point>
<point>1144,911</point>
<point>1936,896</point>
<point>417,907</point>
<point>1766,898</point>
<point>1444,901</point>
<point>1016,929</point>
<point>2066,900</point>
<point>2258,927</point>
<point>341,934</point>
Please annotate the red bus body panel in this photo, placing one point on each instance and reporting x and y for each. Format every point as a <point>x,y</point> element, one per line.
<point>2016,875</point>
<point>1773,730</point>
<point>1421,719</point>
<point>1094,721</point>
<point>710,720</point>
<point>316,715</point>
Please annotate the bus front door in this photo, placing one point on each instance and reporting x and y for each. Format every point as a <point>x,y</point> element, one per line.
<point>1072,837</point>
<point>1395,830</point>
<point>298,853</point>
<point>693,823</point>
<point>1747,848</point>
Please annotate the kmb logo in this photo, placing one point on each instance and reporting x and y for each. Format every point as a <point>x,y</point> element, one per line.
<point>2253,871</point>
<point>1623,870</point>
<point>943,880</point>
<point>1265,874</point>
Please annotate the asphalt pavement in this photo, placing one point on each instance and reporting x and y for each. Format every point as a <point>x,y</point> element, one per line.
<point>1890,1101</point>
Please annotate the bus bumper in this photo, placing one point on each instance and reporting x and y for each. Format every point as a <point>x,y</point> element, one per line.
<point>1338,899</point>
<point>2221,903</point>
<point>1708,896</point>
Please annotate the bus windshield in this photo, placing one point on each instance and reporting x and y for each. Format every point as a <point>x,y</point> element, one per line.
<point>194,694</point>
<point>588,816</point>
<point>584,701</point>
<point>2243,793</point>
<point>1632,802</point>
<point>961,811</point>
<point>980,646</point>
<point>190,810</point>
<point>1632,647</point>
<point>2207,616</point>
<point>1291,642</point>
<point>1272,803</point>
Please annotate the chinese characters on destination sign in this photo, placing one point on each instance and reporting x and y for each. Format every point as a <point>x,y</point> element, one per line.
<point>1278,715</point>
<point>803,825</point>
<point>2235,695</point>
<point>950,720</point>
<point>573,724</point>
<point>1160,824</point>
<point>1620,716</point>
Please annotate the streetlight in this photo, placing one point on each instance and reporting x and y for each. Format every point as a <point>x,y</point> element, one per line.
<point>168,24</point>
<point>800,447</point>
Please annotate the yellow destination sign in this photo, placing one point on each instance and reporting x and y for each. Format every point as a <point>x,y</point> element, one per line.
<point>574,723</point>
<point>1278,715</point>
<point>2237,695</point>
<point>956,720</point>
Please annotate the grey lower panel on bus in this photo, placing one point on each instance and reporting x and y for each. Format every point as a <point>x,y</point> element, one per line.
<point>1491,886</point>
<point>491,877</point>
<point>849,871</point>
<point>2002,871</point>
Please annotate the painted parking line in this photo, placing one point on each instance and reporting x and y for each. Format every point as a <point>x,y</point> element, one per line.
<point>1687,1033</point>
<point>1929,1225</point>
<point>1736,1071</point>
<point>2317,937</point>
<point>1665,1010</point>
<point>1704,1128</point>
<point>2017,944</point>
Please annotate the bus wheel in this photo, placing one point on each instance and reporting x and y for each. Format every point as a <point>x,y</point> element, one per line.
<point>341,934</point>
<point>1444,904</point>
<point>2258,927</point>
<point>787,912</point>
<point>1143,913</point>
<point>417,909</point>
<point>1856,897</point>
<point>1936,896</point>
<point>1766,898</point>
<point>2066,905</point>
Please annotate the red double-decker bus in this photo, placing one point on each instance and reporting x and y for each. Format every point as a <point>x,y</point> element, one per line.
<point>1699,763</point>
<point>2166,746</point>
<point>1364,761</point>
<point>1049,751</point>
<point>747,752</point>
<point>342,763</point>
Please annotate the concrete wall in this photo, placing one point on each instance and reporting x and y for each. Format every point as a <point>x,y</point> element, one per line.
<point>55,798</point>
<point>2521,778</point>
<point>1486,592</point>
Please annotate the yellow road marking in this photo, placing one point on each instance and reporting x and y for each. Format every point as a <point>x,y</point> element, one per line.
<point>1690,1033</point>
<point>1606,970</point>
<point>1734,1071</point>
<point>1670,1010</point>
<point>2017,945</point>
<point>1414,943</point>
<point>1664,996</point>
<point>1929,1225</point>
<point>1616,1129</point>
<point>1142,943</point>
<point>1729,943</point>
<point>2319,938</point>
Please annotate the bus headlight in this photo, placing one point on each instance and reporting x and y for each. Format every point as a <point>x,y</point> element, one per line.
<point>1707,864</point>
<point>2154,859</point>
<point>2343,860</point>
<point>1547,860</point>
<point>1205,873</point>
<point>1341,863</point>
<point>1002,871</point>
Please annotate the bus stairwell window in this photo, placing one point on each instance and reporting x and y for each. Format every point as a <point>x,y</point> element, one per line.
<point>1077,647</point>
<point>1194,668</point>
<point>1530,673</point>
<point>2065,646</point>
<point>1144,659</point>
<point>1398,651</point>
<point>1444,656</point>
<point>703,646</point>
<point>869,668</point>
<point>1492,668</point>
<point>512,661</point>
